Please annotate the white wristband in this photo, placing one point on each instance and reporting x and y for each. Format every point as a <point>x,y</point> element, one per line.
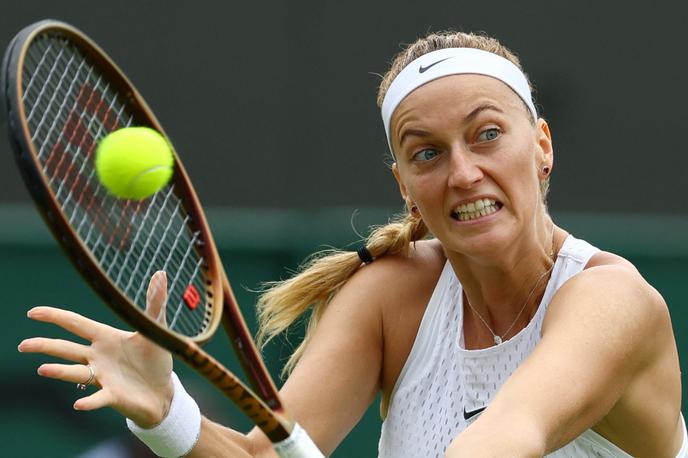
<point>297,445</point>
<point>177,434</point>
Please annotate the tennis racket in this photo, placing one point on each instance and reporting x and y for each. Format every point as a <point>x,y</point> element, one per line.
<point>62,95</point>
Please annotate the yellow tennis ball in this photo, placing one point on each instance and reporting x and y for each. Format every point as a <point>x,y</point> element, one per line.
<point>134,162</point>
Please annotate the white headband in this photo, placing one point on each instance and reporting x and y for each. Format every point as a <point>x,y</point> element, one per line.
<point>453,61</point>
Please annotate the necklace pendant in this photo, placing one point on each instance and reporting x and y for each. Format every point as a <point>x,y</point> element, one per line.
<point>498,340</point>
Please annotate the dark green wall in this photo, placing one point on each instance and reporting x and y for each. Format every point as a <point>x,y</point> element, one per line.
<point>37,419</point>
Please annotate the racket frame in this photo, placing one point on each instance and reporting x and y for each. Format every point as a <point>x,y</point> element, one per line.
<point>265,410</point>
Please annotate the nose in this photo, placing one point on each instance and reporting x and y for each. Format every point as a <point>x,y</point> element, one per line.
<point>464,171</point>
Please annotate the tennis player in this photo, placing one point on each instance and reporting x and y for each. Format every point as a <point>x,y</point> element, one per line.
<point>500,335</point>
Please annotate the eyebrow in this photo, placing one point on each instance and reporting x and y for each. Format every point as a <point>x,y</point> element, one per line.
<point>468,118</point>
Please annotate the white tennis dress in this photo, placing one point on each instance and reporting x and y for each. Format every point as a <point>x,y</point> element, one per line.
<point>443,387</point>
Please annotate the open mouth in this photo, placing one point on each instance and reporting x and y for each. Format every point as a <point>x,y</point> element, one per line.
<point>476,209</point>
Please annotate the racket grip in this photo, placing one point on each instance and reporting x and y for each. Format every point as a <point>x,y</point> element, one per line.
<point>297,445</point>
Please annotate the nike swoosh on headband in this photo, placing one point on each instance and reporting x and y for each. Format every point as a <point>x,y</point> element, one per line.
<point>469,60</point>
<point>422,69</point>
<point>472,413</point>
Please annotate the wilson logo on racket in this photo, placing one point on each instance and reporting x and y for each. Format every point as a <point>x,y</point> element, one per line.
<point>88,119</point>
<point>69,165</point>
<point>191,297</point>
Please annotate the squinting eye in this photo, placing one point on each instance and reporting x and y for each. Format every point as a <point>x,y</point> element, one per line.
<point>425,155</point>
<point>489,134</point>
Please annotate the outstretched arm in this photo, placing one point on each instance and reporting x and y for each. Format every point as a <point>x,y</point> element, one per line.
<point>329,390</point>
<point>606,331</point>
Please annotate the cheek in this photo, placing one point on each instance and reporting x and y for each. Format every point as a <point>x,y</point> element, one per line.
<point>514,171</point>
<point>425,189</point>
<point>519,159</point>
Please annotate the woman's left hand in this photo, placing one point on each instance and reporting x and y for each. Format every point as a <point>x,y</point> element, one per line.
<point>131,373</point>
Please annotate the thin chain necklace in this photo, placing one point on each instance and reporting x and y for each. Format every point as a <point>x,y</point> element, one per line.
<point>499,339</point>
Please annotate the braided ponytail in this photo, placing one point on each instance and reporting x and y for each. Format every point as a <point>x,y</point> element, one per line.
<point>322,275</point>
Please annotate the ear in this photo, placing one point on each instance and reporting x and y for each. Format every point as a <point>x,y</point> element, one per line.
<point>544,141</point>
<point>402,187</point>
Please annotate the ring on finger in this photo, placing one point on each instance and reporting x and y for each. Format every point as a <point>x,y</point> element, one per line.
<point>82,386</point>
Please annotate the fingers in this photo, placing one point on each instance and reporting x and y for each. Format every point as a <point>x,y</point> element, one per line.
<point>74,373</point>
<point>156,297</point>
<point>101,398</point>
<point>59,348</point>
<point>79,373</point>
<point>72,322</point>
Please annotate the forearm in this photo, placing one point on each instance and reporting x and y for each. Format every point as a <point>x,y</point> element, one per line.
<point>185,432</point>
<point>500,439</point>
<point>218,440</point>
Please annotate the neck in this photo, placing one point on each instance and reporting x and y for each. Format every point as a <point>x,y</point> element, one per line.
<point>505,290</point>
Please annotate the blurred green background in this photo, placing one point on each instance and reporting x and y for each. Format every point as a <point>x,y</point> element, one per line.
<point>256,245</point>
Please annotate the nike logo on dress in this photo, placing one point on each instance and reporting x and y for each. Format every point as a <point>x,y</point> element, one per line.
<point>472,413</point>
<point>424,69</point>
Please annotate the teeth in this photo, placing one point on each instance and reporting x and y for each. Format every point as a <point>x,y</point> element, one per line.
<point>476,209</point>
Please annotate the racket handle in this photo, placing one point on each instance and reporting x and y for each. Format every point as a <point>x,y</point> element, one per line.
<point>275,426</point>
<point>297,445</point>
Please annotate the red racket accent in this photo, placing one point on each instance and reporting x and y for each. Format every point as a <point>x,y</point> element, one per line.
<point>191,297</point>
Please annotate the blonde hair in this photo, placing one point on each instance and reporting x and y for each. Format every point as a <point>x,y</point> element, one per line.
<point>322,275</point>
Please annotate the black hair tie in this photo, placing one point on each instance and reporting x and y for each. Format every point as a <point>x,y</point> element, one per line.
<point>365,256</point>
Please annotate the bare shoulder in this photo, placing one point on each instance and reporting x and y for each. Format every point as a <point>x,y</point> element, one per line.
<point>605,258</point>
<point>615,331</point>
<point>610,282</point>
<point>397,276</point>
<point>409,282</point>
<point>610,293</point>
<point>421,254</point>
<point>379,292</point>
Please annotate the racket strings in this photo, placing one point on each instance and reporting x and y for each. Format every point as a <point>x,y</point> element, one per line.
<point>61,168</point>
<point>52,69</point>
<point>86,174</point>
<point>142,267</point>
<point>70,106</point>
<point>58,91</point>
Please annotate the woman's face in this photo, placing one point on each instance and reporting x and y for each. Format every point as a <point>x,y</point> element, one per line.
<point>468,156</point>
